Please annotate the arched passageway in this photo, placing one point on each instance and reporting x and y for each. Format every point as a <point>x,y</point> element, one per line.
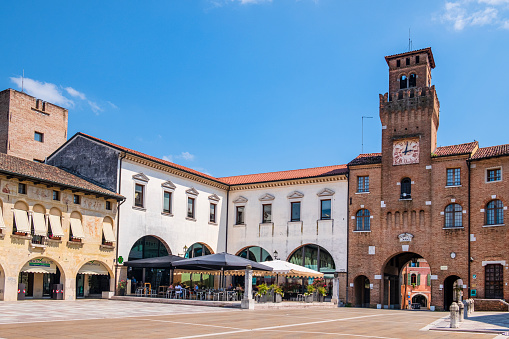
<point>92,279</point>
<point>362,291</point>
<point>452,290</point>
<point>420,300</point>
<point>404,274</point>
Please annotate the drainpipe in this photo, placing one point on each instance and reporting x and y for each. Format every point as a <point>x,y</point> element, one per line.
<point>122,156</point>
<point>468,235</point>
<point>347,234</point>
<point>227,207</point>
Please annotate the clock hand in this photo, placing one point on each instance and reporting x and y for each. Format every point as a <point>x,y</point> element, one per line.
<point>406,148</point>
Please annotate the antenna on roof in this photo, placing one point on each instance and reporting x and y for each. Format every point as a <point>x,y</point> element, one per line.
<point>22,80</point>
<point>409,40</point>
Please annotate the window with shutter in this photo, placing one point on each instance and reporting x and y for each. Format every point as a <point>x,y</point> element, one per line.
<point>418,279</point>
<point>429,280</point>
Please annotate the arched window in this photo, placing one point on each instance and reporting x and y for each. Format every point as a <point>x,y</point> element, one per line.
<point>255,253</point>
<point>453,216</point>
<point>412,81</point>
<point>406,188</point>
<point>316,258</point>
<point>147,247</point>
<point>362,220</point>
<point>403,82</point>
<point>495,213</point>
<point>197,250</point>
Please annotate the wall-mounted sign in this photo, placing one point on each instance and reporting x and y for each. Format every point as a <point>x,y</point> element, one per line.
<point>473,293</point>
<point>405,237</point>
<point>474,276</point>
<point>443,268</point>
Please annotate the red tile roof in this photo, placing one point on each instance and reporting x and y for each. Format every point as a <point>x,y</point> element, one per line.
<point>286,175</point>
<point>460,149</point>
<point>31,170</point>
<point>149,157</point>
<point>366,159</point>
<point>489,152</point>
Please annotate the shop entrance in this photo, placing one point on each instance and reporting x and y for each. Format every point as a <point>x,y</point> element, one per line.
<point>92,279</point>
<point>39,276</point>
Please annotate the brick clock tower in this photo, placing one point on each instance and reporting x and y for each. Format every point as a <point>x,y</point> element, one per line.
<point>395,200</point>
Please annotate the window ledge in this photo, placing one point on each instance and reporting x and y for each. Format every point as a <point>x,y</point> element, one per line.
<point>362,192</point>
<point>75,243</point>
<point>213,223</point>
<point>239,225</point>
<point>42,246</point>
<point>405,199</point>
<point>454,228</point>
<point>139,208</point>
<point>107,247</point>
<point>167,214</point>
<point>295,221</point>
<point>325,220</point>
<point>496,225</point>
<point>267,224</point>
<point>362,231</point>
<point>490,182</point>
<point>190,219</point>
<point>449,186</point>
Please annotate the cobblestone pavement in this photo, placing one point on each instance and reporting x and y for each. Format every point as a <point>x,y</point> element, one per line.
<point>122,319</point>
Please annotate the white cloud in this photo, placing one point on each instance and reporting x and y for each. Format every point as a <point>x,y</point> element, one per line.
<point>168,158</point>
<point>186,156</point>
<point>246,2</point>
<point>464,13</point>
<point>43,90</point>
<point>96,108</point>
<point>112,105</point>
<point>75,93</point>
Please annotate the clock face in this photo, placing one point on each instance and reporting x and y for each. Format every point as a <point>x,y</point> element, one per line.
<point>405,151</point>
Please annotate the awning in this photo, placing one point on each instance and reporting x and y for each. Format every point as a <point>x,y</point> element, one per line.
<point>21,219</point>
<point>39,224</point>
<point>56,226</point>
<point>108,232</point>
<point>285,268</point>
<point>77,228</point>
<point>2,223</point>
<point>40,266</point>
<point>93,268</point>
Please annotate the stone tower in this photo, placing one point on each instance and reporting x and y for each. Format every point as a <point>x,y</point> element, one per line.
<point>30,128</point>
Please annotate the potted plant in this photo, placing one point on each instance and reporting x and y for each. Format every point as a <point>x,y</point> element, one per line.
<point>277,292</point>
<point>121,287</point>
<point>321,293</point>
<point>308,296</point>
<point>262,293</point>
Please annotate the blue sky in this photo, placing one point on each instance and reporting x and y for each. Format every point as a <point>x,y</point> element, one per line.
<point>234,87</point>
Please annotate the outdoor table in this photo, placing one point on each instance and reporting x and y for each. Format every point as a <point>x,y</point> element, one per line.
<point>200,294</point>
<point>162,290</point>
<point>170,293</point>
<point>219,295</point>
<point>231,295</point>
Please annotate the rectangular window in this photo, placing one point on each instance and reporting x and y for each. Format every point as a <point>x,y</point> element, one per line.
<point>407,61</point>
<point>398,63</point>
<point>39,136</point>
<point>139,191</point>
<point>417,59</point>
<point>325,209</point>
<point>453,177</point>
<point>494,174</point>
<point>76,199</point>
<point>22,188</point>
<point>295,211</point>
<point>108,205</point>
<point>167,202</point>
<point>190,208</point>
<point>56,195</point>
<point>212,213</point>
<point>267,213</point>
<point>362,184</point>
<point>239,219</point>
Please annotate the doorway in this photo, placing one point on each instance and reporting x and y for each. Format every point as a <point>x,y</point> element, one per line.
<point>362,291</point>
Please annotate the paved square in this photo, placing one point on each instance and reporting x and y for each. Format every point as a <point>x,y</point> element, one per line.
<point>123,319</point>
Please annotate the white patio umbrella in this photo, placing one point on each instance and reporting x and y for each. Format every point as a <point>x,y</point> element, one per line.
<point>287,269</point>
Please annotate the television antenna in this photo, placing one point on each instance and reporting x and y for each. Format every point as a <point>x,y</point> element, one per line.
<point>409,41</point>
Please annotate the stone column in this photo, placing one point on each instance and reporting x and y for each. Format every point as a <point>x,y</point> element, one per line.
<point>70,288</point>
<point>454,314</point>
<point>247,301</point>
<point>335,290</point>
<point>11,288</point>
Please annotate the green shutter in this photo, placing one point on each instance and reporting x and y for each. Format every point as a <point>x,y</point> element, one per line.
<point>409,279</point>
<point>429,279</point>
<point>418,279</point>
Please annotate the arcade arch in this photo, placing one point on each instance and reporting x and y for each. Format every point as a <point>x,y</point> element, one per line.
<point>93,278</point>
<point>38,275</point>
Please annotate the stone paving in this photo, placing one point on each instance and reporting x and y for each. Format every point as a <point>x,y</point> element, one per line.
<point>481,322</point>
<point>124,319</point>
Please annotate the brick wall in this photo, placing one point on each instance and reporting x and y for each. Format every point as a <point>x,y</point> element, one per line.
<point>27,116</point>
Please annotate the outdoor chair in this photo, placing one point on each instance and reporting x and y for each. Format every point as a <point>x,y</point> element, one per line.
<point>139,292</point>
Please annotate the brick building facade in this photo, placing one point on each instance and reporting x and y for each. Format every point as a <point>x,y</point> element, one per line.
<point>30,128</point>
<point>416,201</point>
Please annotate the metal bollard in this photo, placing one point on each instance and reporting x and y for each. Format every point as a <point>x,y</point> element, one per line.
<point>454,315</point>
<point>461,311</point>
